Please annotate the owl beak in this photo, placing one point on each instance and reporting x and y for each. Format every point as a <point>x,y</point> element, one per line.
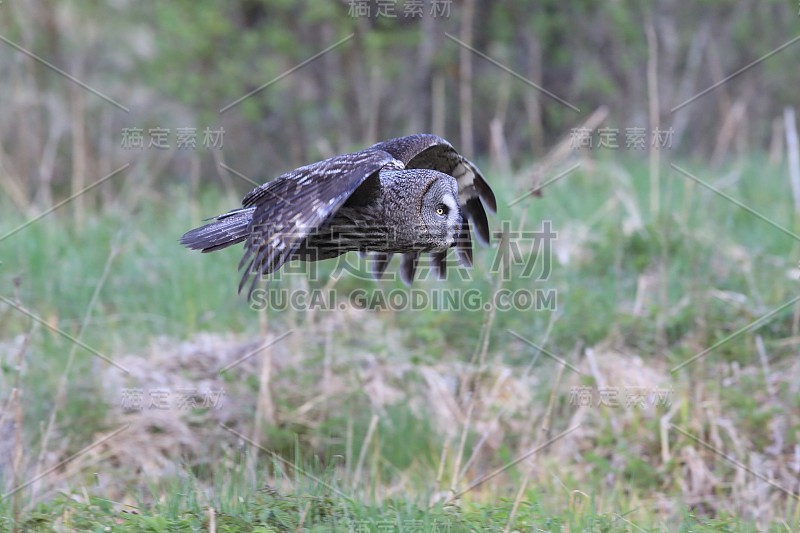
<point>455,231</point>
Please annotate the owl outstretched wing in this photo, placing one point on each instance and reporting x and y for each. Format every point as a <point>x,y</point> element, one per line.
<point>430,151</point>
<point>294,204</point>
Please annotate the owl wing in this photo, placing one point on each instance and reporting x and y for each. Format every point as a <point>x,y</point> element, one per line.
<point>294,204</point>
<point>430,151</point>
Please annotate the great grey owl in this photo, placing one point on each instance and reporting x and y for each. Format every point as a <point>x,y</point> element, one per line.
<point>406,195</point>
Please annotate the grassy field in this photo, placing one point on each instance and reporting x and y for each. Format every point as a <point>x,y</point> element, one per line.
<point>635,403</point>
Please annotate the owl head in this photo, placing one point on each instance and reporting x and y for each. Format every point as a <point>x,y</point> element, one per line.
<point>421,206</point>
<point>439,212</point>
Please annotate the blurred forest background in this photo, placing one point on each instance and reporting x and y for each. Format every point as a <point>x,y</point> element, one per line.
<point>176,64</point>
<point>124,123</point>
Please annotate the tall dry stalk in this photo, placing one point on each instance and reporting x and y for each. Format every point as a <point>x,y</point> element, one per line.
<point>265,407</point>
<point>14,405</point>
<point>655,178</point>
<point>61,388</point>
<point>655,118</point>
<point>467,146</point>
<point>373,424</point>
<point>79,155</point>
<point>544,433</point>
<point>438,104</point>
<point>793,155</point>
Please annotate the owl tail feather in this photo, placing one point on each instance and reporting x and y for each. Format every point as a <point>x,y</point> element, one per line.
<point>226,230</point>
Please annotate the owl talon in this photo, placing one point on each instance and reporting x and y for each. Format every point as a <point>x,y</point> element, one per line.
<point>380,260</point>
<point>408,267</point>
<point>439,262</point>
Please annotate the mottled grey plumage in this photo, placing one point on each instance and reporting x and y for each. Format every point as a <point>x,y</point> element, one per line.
<point>407,195</point>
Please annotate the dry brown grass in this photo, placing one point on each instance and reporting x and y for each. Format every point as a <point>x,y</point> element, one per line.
<point>507,415</point>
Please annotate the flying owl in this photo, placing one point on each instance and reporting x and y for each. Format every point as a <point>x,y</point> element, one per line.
<point>407,195</point>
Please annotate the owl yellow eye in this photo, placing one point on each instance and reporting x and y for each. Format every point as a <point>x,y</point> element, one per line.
<point>441,210</point>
